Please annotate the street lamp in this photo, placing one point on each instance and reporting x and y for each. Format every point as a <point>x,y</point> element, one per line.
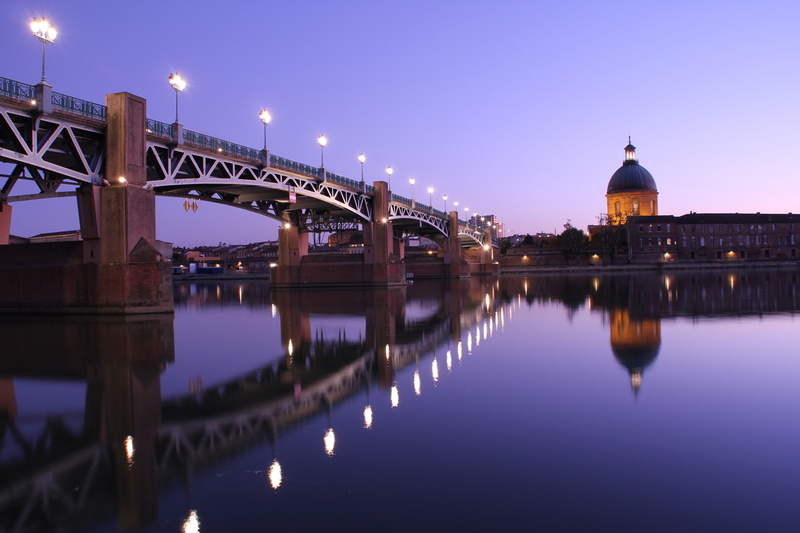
<point>430,197</point>
<point>46,34</point>
<point>179,84</point>
<point>389,171</point>
<point>362,158</point>
<point>322,140</point>
<point>444,197</point>
<point>412,181</point>
<point>265,118</point>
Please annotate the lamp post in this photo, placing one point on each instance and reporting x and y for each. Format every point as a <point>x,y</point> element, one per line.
<point>322,140</point>
<point>412,181</point>
<point>362,158</point>
<point>475,216</point>
<point>444,197</point>
<point>389,171</point>
<point>430,197</point>
<point>46,34</point>
<point>179,84</point>
<point>265,118</point>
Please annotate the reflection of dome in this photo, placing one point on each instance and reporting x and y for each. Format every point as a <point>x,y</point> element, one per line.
<point>635,359</point>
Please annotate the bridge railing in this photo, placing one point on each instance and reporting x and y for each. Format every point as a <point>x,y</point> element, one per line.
<point>220,145</point>
<point>16,89</point>
<point>293,166</point>
<point>159,128</point>
<point>70,104</point>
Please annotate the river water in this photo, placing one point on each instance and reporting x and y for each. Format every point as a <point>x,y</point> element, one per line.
<point>624,403</point>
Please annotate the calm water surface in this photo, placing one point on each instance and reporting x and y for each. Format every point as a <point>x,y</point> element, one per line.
<point>544,403</point>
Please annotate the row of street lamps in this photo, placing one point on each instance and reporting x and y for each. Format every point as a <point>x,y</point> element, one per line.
<point>46,34</point>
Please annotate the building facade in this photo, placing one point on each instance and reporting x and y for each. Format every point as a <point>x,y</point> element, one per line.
<point>713,237</point>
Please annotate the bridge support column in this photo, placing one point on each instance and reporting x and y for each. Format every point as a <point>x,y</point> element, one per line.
<point>5,223</point>
<point>486,266</point>
<point>455,265</point>
<point>118,268</point>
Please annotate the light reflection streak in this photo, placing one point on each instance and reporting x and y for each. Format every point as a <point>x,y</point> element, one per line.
<point>274,309</point>
<point>435,369</point>
<point>488,302</point>
<point>129,450</point>
<point>192,523</point>
<point>477,335</point>
<point>368,417</point>
<point>330,441</point>
<point>417,383</point>
<point>459,350</point>
<point>275,474</point>
<point>469,342</point>
<point>395,396</point>
<point>241,294</point>
<point>387,352</point>
<point>449,360</point>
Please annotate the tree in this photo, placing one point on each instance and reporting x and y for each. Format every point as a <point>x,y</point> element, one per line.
<point>609,237</point>
<point>505,244</point>
<point>572,240</point>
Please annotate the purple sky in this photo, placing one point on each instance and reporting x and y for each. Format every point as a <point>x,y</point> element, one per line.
<point>514,108</point>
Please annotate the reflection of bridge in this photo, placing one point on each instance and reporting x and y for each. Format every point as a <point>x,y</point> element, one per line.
<point>145,438</point>
<point>118,161</point>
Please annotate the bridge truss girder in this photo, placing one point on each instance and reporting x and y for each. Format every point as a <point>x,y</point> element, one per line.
<point>54,150</point>
<point>183,171</point>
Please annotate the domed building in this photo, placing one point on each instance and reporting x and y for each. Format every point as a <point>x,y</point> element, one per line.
<point>631,190</point>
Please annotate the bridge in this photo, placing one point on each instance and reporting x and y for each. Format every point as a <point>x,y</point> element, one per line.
<point>115,161</point>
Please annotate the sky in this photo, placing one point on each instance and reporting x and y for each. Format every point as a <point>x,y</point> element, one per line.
<point>519,109</point>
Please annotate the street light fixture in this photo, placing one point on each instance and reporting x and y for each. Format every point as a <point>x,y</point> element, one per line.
<point>179,84</point>
<point>444,197</point>
<point>389,171</point>
<point>322,140</point>
<point>46,34</point>
<point>412,181</point>
<point>265,118</point>
<point>430,197</point>
<point>362,158</point>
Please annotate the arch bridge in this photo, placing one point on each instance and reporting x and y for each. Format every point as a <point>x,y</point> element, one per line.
<point>58,141</point>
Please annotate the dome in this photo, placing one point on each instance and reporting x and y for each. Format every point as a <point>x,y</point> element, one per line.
<point>631,176</point>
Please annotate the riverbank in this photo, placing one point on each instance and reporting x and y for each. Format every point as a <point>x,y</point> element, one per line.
<point>651,267</point>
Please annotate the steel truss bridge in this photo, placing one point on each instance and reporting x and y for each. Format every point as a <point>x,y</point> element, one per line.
<point>66,147</point>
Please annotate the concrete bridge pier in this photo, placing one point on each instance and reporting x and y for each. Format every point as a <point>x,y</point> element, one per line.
<point>485,264</point>
<point>117,267</point>
<point>379,266</point>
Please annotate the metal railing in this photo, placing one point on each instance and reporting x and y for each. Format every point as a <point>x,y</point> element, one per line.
<point>293,166</point>
<point>76,106</point>
<point>341,180</point>
<point>158,128</point>
<point>16,89</point>
<point>220,145</point>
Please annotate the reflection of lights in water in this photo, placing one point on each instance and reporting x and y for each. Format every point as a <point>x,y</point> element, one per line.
<point>129,450</point>
<point>274,310</point>
<point>192,523</point>
<point>667,282</point>
<point>241,294</point>
<point>368,417</point>
<point>596,283</point>
<point>290,347</point>
<point>477,334</point>
<point>525,287</point>
<point>488,301</point>
<point>449,360</point>
<point>636,379</point>
<point>219,292</point>
<point>387,352</point>
<point>503,318</point>
<point>395,396</point>
<point>330,441</point>
<point>435,369</point>
<point>469,342</point>
<point>275,474</point>
<point>488,326</point>
<point>732,281</point>
<point>417,383</point>
<point>459,350</point>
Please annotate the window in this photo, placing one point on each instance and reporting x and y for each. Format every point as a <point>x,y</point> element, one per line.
<point>668,227</point>
<point>669,241</point>
<point>617,208</point>
<point>653,207</point>
<point>635,207</point>
<point>650,228</point>
<point>702,241</point>
<point>658,228</point>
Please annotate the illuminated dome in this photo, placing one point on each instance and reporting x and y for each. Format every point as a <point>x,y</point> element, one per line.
<point>631,176</point>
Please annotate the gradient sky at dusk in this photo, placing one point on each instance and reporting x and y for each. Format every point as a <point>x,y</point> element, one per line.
<point>514,108</point>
